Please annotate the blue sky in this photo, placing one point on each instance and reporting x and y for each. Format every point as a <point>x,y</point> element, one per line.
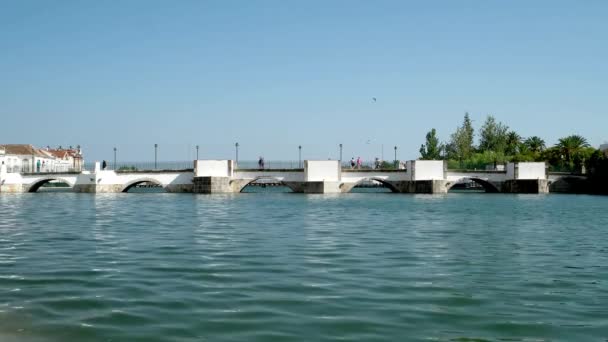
<point>273,75</point>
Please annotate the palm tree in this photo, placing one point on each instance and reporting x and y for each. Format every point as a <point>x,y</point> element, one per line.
<point>535,144</point>
<point>513,141</point>
<point>571,145</point>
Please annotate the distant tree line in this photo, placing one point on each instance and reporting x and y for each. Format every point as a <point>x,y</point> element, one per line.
<point>499,144</point>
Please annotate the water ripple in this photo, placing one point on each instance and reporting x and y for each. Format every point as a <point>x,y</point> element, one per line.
<point>357,267</point>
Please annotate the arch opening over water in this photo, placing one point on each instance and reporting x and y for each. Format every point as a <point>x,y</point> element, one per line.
<point>147,185</point>
<point>51,184</point>
<point>569,184</point>
<point>372,185</point>
<point>472,185</point>
<point>266,184</point>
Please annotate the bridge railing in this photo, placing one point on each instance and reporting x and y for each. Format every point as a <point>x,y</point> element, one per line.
<point>151,166</point>
<point>373,165</point>
<point>477,171</point>
<point>43,169</point>
<point>270,164</point>
<point>295,164</point>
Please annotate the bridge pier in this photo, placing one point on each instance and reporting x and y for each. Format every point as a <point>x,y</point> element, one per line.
<point>526,178</point>
<point>525,186</point>
<point>212,185</point>
<point>85,188</point>
<point>315,187</point>
<point>434,186</point>
<point>11,188</point>
<point>320,177</point>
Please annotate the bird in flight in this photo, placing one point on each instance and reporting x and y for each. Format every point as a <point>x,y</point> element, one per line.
<point>373,98</point>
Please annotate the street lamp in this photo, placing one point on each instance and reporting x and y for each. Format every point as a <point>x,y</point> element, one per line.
<point>155,156</point>
<point>396,157</point>
<point>114,158</point>
<point>196,152</point>
<point>236,146</point>
<point>340,155</point>
<point>300,156</point>
<point>79,158</point>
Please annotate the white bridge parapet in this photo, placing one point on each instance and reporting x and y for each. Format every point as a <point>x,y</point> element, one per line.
<point>528,170</point>
<point>214,168</point>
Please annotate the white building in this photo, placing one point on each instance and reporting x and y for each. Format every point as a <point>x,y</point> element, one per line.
<point>2,155</point>
<point>67,159</point>
<point>27,158</point>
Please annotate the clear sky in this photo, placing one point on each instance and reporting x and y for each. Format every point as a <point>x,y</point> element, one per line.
<point>273,75</point>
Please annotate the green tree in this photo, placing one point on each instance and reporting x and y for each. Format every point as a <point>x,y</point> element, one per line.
<point>513,143</point>
<point>469,134</point>
<point>460,146</point>
<point>493,136</point>
<point>431,150</point>
<point>571,147</point>
<point>535,144</point>
<point>554,158</point>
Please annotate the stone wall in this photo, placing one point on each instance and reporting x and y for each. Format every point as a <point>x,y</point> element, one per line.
<point>570,185</point>
<point>179,188</point>
<point>421,187</point>
<point>211,185</point>
<point>88,188</point>
<point>526,186</point>
<point>12,188</point>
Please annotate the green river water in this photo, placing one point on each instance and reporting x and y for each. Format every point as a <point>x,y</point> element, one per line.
<point>291,267</point>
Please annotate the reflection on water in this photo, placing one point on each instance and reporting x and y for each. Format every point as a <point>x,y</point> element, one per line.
<point>266,189</point>
<point>281,188</point>
<point>276,266</point>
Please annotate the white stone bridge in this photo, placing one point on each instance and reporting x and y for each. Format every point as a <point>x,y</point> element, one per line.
<point>221,176</point>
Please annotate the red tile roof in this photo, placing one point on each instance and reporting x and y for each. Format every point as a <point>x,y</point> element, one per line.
<point>28,150</point>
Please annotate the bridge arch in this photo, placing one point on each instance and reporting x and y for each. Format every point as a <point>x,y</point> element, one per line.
<point>348,187</point>
<point>488,186</point>
<point>276,180</point>
<point>568,184</point>
<point>34,186</point>
<point>133,183</point>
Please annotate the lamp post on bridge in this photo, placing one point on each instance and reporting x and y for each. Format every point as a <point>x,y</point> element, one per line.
<point>114,158</point>
<point>155,156</point>
<point>300,156</point>
<point>340,155</point>
<point>396,157</point>
<point>79,168</point>
<point>236,146</point>
<point>196,152</point>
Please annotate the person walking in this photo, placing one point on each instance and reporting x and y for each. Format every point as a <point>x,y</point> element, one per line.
<point>261,163</point>
<point>358,162</point>
<point>38,166</point>
<point>352,163</point>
